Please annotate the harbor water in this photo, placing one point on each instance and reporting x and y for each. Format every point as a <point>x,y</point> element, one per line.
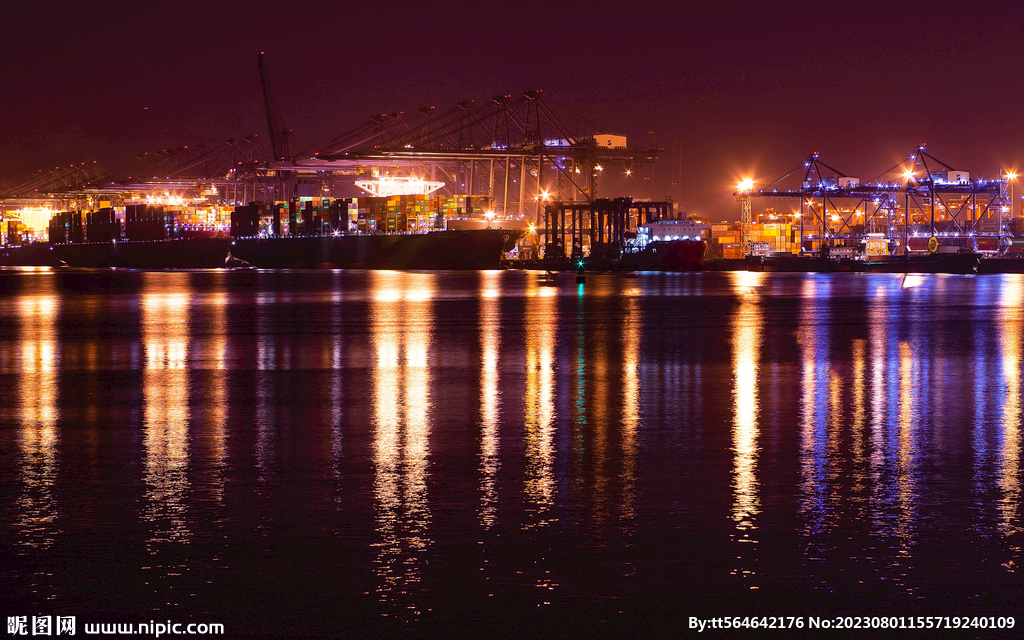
<point>439,454</point>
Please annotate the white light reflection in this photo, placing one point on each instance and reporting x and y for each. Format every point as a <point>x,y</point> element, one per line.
<point>878,318</point>
<point>337,386</point>
<point>911,280</point>
<point>906,483</point>
<point>860,472</point>
<point>813,339</point>
<point>490,399</point>
<point>1011,303</point>
<point>746,347</point>
<point>267,361</point>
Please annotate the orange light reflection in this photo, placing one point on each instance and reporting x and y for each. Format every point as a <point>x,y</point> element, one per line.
<point>402,315</point>
<point>165,338</point>
<point>38,436</point>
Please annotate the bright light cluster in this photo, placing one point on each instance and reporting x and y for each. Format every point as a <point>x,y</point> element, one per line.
<point>168,200</point>
<point>35,218</point>
<point>385,186</point>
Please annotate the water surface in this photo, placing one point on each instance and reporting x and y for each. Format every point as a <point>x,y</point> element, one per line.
<point>349,453</point>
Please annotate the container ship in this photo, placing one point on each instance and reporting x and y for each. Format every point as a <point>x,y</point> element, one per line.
<point>267,236</point>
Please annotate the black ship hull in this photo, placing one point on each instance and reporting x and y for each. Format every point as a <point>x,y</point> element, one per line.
<point>790,264</point>
<point>475,249</point>
<point>952,263</point>
<point>37,254</point>
<point>192,253</point>
<point>1001,265</point>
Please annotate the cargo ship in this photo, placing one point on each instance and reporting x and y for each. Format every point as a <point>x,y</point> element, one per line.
<point>152,239</point>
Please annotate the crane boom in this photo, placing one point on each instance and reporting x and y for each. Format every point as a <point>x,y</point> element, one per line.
<point>278,139</point>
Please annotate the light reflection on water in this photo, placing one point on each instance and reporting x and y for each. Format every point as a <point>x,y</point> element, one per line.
<point>402,319</point>
<point>813,340</point>
<point>166,412</point>
<point>490,400</point>
<point>1011,305</point>
<point>38,438</point>
<point>632,330</point>
<point>746,344</point>
<point>539,321</point>
<point>667,438</point>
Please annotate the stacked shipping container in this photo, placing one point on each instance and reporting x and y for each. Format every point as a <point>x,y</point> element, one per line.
<point>302,216</point>
<point>768,237</point>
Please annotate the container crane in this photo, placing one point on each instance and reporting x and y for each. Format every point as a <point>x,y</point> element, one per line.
<point>743,192</point>
<point>279,133</point>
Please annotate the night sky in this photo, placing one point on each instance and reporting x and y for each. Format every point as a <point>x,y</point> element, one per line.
<point>749,91</point>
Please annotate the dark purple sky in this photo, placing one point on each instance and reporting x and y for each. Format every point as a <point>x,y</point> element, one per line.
<point>749,91</point>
